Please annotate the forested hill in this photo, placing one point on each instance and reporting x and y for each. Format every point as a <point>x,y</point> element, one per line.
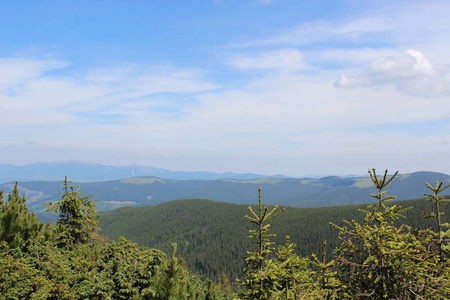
<point>212,236</point>
<point>304,192</point>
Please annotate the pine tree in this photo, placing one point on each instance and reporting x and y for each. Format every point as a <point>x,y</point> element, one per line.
<point>378,260</point>
<point>77,215</point>
<point>293,277</point>
<point>18,227</point>
<point>327,280</point>
<point>259,282</point>
<point>442,236</point>
<point>439,271</point>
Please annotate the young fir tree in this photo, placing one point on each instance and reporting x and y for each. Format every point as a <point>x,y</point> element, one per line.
<point>439,271</point>
<point>442,236</point>
<point>378,260</point>
<point>327,281</point>
<point>77,215</point>
<point>293,278</point>
<point>260,282</point>
<point>175,277</point>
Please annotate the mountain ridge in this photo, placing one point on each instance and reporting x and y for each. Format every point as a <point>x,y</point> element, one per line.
<point>90,172</point>
<point>295,192</point>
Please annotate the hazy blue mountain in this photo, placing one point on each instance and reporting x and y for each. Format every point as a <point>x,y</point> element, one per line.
<point>88,172</point>
<point>295,192</point>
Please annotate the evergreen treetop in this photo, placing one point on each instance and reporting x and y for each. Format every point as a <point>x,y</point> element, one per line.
<point>77,215</point>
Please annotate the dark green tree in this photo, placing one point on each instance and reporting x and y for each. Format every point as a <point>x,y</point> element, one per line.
<point>77,215</point>
<point>173,279</point>
<point>18,227</point>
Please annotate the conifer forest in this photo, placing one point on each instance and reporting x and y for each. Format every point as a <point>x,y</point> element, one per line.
<point>386,250</point>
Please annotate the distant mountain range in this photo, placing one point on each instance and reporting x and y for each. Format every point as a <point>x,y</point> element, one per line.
<point>295,192</point>
<point>89,172</point>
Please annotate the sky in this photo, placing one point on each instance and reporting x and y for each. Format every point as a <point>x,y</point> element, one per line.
<point>292,87</point>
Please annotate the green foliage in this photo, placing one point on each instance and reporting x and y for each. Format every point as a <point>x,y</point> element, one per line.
<point>378,260</point>
<point>17,226</point>
<point>379,257</point>
<point>171,282</point>
<point>326,278</point>
<point>77,215</point>
<point>35,267</point>
<point>204,228</point>
<point>380,184</point>
<point>293,278</point>
<point>380,211</point>
<point>443,229</point>
<point>259,281</point>
<point>113,270</point>
<point>440,239</point>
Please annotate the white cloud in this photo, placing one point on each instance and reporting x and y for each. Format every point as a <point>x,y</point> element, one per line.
<point>287,103</point>
<point>410,72</point>
<point>14,72</point>
<point>283,59</point>
<point>345,58</point>
<point>315,32</point>
<point>138,81</point>
<point>33,92</point>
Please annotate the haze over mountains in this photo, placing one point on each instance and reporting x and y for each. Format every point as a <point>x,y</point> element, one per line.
<point>86,172</point>
<point>139,186</point>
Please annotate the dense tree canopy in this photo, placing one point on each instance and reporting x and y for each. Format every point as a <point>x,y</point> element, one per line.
<point>64,261</point>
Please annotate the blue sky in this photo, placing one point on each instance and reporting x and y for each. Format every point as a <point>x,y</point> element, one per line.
<point>273,87</point>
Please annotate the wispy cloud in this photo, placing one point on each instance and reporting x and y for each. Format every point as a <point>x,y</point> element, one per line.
<point>357,39</point>
<point>357,30</point>
<point>31,93</point>
<point>15,72</point>
<point>282,59</point>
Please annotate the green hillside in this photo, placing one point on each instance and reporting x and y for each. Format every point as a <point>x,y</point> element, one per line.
<point>212,236</point>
